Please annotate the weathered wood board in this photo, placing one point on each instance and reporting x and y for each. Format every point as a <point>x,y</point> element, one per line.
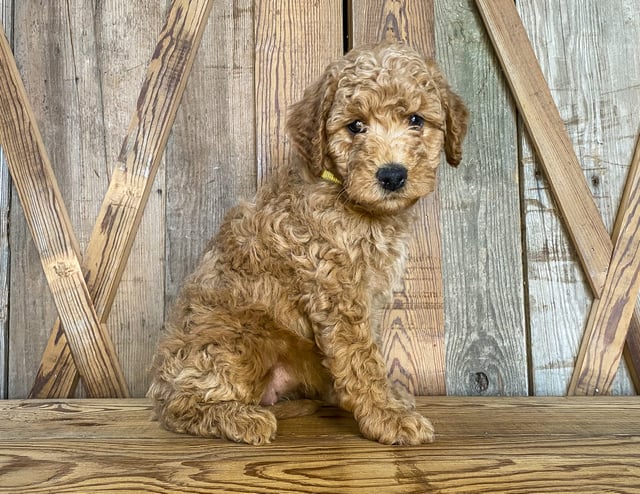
<point>52,232</point>
<point>481,226</point>
<point>127,34</point>
<point>61,66</point>
<point>608,323</point>
<point>294,43</point>
<point>131,183</point>
<point>413,324</point>
<point>86,69</point>
<point>212,152</point>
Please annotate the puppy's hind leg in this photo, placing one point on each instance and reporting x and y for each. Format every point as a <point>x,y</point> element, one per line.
<point>209,376</point>
<point>232,420</point>
<point>216,378</point>
<point>201,414</point>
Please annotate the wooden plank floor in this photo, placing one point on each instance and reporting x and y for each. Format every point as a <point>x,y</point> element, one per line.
<point>493,445</point>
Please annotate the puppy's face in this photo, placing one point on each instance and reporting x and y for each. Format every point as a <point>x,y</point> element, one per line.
<point>385,116</point>
<point>385,131</point>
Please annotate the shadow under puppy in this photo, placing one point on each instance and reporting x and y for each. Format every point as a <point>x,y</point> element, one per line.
<point>284,303</point>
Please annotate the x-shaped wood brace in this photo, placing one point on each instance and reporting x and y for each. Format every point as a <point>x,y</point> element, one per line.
<point>613,273</point>
<point>83,296</point>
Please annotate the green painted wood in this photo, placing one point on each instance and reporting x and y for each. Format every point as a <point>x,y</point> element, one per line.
<point>481,230</point>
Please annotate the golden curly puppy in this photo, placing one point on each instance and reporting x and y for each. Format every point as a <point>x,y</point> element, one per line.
<point>283,305</point>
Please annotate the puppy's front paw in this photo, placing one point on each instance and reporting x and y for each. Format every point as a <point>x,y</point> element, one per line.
<point>396,426</point>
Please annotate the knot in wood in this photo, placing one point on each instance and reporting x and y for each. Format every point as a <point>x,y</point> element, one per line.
<point>480,382</point>
<point>63,269</point>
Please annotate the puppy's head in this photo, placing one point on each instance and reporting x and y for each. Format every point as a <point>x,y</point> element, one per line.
<point>378,120</point>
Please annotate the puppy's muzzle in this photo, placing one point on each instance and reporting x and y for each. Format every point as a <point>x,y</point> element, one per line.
<point>392,177</point>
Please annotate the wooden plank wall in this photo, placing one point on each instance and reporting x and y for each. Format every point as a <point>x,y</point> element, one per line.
<point>211,152</point>
<point>514,297</point>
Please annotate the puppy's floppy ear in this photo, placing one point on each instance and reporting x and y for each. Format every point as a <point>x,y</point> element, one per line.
<point>456,118</point>
<point>306,121</point>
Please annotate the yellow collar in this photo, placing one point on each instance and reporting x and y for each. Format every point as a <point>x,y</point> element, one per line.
<point>330,177</point>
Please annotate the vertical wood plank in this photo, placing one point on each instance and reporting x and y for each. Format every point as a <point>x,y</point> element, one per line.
<point>127,34</point>
<point>587,51</point>
<point>42,52</point>
<point>211,156</point>
<point>413,325</point>
<point>294,42</point>
<point>481,234</point>
<point>6,18</point>
<point>406,20</point>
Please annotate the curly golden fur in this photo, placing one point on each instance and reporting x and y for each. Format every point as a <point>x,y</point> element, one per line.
<point>282,308</point>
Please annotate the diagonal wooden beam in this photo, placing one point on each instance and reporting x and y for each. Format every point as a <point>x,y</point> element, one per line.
<point>555,152</point>
<point>631,351</point>
<point>131,183</point>
<point>608,322</point>
<point>53,235</point>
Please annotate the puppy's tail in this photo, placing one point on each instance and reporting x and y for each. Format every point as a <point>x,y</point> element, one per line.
<point>288,409</point>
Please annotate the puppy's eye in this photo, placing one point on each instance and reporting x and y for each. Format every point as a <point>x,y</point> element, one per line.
<point>357,127</point>
<point>416,122</point>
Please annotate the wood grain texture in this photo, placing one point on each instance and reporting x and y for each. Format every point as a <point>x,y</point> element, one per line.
<point>55,52</point>
<point>6,18</point>
<point>213,140</point>
<point>82,62</point>
<point>51,229</point>
<point>413,324</point>
<point>481,232</point>
<point>132,179</point>
<point>483,446</point>
<point>603,342</point>
<point>128,33</point>
<point>587,54</point>
<point>405,20</point>
<point>631,351</point>
<point>294,43</point>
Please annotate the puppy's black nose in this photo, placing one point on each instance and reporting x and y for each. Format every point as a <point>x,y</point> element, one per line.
<point>392,177</point>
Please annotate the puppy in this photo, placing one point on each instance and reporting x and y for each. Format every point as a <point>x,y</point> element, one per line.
<point>283,306</point>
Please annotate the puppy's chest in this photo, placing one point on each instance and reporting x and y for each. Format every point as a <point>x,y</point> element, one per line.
<point>387,264</point>
<point>380,255</point>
